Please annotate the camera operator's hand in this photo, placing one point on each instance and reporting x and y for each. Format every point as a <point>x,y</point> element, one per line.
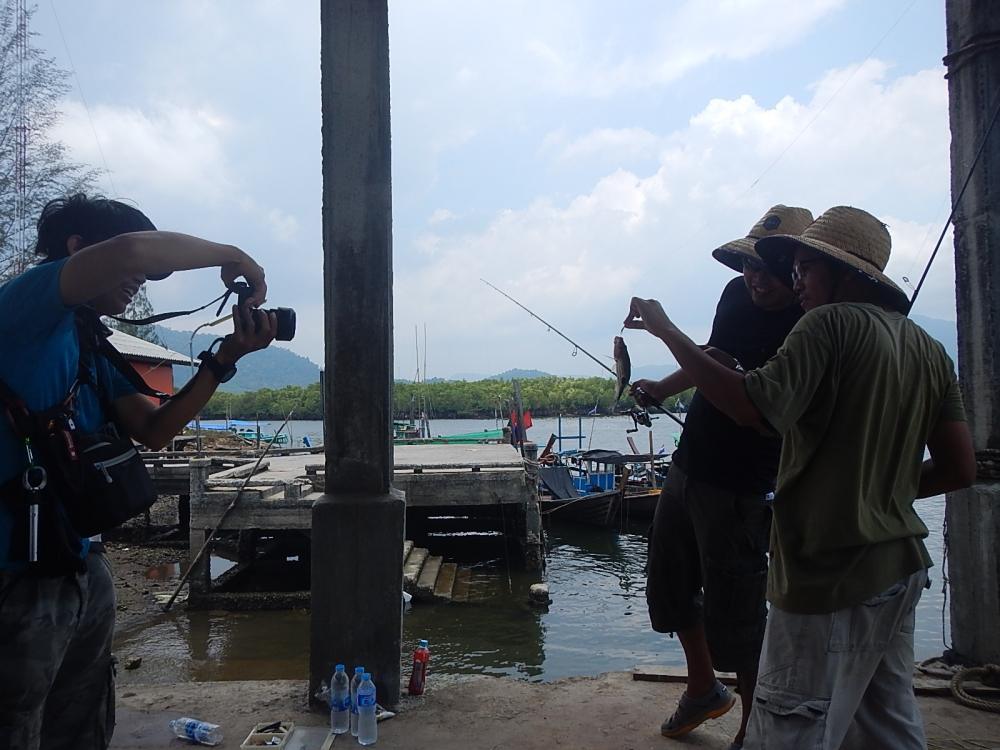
<point>249,269</point>
<point>253,329</point>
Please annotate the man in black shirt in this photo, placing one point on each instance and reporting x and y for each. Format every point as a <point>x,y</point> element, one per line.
<point>707,567</point>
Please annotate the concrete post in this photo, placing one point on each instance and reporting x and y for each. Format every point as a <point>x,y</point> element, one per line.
<point>357,525</point>
<point>532,546</point>
<point>201,577</point>
<point>973,515</point>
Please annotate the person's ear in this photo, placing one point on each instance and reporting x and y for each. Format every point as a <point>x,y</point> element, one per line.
<point>73,243</point>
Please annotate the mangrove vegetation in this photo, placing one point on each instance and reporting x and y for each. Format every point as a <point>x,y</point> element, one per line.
<point>441,399</point>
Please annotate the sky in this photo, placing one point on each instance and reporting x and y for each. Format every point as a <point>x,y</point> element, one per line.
<point>572,153</point>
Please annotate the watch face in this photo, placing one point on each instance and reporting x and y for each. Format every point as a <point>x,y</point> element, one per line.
<point>226,376</point>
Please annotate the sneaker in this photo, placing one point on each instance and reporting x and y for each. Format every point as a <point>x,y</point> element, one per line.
<point>691,712</point>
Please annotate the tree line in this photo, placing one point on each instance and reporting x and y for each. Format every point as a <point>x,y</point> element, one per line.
<point>442,399</point>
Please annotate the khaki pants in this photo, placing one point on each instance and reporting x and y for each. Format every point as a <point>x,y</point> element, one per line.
<point>840,680</point>
<point>57,688</point>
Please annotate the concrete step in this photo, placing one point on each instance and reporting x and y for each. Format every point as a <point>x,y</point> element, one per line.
<point>413,567</point>
<point>428,577</point>
<point>460,589</point>
<point>445,581</point>
<point>407,546</point>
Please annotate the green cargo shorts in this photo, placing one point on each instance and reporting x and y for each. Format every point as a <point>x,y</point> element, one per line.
<point>57,689</point>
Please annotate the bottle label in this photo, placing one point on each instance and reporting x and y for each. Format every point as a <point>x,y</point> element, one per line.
<point>341,704</point>
<point>366,699</point>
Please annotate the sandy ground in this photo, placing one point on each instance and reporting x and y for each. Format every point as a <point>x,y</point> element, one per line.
<point>605,712</point>
<point>608,711</point>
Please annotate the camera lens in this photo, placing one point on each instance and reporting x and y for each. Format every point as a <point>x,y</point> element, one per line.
<point>286,323</point>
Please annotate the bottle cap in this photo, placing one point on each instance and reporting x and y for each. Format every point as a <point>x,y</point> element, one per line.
<point>366,676</point>
<point>359,670</point>
<point>423,643</point>
<point>338,668</point>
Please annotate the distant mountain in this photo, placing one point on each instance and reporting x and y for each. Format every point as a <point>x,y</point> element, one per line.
<point>519,375</point>
<point>467,376</point>
<point>274,367</point>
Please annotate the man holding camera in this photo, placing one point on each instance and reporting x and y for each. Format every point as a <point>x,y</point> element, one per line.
<point>56,629</point>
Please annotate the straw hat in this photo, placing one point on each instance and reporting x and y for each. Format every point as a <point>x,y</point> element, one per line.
<point>778,220</point>
<point>849,236</point>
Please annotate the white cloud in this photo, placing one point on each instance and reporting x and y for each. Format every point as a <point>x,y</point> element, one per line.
<point>440,216</point>
<point>695,33</point>
<point>166,147</point>
<point>604,144</point>
<point>880,144</point>
<point>284,226</point>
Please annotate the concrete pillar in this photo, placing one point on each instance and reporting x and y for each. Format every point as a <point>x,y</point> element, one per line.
<point>201,577</point>
<point>357,525</point>
<point>973,515</point>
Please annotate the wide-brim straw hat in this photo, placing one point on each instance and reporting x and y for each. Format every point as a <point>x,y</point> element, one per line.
<point>778,220</point>
<point>849,236</point>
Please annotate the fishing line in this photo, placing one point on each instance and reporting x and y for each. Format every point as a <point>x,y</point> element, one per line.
<point>83,99</point>
<point>958,200</point>
<point>656,404</point>
<point>550,326</point>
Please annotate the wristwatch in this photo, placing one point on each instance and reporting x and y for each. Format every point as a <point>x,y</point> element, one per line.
<point>223,373</point>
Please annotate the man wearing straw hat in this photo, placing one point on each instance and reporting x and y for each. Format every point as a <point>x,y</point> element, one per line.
<point>707,566</point>
<point>857,391</point>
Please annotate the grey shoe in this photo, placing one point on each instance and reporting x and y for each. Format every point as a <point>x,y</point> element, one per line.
<point>691,712</point>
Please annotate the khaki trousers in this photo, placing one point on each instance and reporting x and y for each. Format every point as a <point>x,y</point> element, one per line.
<point>840,680</point>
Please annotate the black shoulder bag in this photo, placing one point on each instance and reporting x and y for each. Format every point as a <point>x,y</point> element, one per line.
<point>76,484</point>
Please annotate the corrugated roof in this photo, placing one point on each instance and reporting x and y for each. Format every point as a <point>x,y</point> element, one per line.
<point>144,351</point>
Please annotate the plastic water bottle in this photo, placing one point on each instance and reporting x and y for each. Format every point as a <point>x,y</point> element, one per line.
<point>367,726</point>
<point>355,681</point>
<point>340,701</point>
<point>197,731</point>
<point>418,675</point>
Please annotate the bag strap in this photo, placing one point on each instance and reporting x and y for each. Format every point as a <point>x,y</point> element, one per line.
<point>94,339</point>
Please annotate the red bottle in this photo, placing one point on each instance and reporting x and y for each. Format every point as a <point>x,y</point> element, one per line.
<point>421,656</point>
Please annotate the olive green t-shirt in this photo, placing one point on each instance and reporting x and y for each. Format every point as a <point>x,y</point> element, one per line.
<point>854,391</point>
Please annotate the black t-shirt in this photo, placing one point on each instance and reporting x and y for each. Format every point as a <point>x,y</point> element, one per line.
<point>713,448</point>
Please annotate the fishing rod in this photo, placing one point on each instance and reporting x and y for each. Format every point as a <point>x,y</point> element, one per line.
<point>550,326</point>
<point>653,402</point>
<point>958,200</point>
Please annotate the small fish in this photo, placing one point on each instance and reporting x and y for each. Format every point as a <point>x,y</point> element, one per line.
<point>623,367</point>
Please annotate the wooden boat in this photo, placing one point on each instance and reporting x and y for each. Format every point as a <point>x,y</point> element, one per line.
<point>599,493</point>
<point>466,438</point>
<point>594,509</point>
<point>640,503</point>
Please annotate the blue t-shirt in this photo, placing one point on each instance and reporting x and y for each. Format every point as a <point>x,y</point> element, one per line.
<point>39,360</point>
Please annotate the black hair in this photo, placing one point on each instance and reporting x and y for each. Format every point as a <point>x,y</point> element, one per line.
<point>95,219</point>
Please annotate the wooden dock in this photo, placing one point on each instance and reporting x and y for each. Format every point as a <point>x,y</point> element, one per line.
<point>471,483</point>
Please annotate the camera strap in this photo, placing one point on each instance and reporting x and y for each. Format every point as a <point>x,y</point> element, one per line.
<point>168,315</point>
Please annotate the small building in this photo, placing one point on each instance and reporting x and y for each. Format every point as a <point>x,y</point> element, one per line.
<point>152,361</point>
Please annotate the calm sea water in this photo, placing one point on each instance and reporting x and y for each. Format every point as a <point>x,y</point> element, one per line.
<point>596,623</point>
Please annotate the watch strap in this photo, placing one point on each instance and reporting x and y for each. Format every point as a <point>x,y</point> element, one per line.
<point>221,372</point>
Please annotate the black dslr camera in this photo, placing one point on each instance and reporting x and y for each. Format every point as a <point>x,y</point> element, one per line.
<point>285,315</point>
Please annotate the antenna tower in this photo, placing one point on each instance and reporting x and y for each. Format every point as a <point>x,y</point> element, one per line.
<point>20,260</point>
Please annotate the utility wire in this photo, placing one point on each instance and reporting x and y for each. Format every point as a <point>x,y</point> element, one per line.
<point>83,99</point>
<point>826,104</point>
